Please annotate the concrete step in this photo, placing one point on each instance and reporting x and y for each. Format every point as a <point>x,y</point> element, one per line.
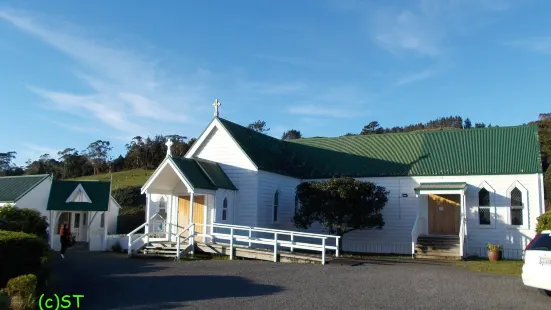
<point>437,247</point>
<point>438,257</point>
<point>437,241</point>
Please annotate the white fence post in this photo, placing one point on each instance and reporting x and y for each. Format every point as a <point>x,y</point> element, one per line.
<point>129,245</point>
<point>275,247</point>
<point>337,244</point>
<point>178,247</point>
<point>231,243</point>
<point>323,251</point>
<point>250,235</point>
<point>292,241</point>
<point>192,236</point>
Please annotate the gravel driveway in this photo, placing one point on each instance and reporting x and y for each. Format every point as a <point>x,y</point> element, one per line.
<point>112,281</point>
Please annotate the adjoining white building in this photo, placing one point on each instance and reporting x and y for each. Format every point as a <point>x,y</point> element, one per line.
<point>86,206</point>
<point>459,189</point>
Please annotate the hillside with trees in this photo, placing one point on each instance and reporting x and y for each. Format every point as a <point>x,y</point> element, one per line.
<point>143,155</point>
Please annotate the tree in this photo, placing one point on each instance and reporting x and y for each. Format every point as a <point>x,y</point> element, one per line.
<point>372,128</point>
<point>258,126</point>
<point>341,205</point>
<point>467,124</point>
<point>291,135</point>
<point>6,161</point>
<point>479,125</point>
<point>98,153</point>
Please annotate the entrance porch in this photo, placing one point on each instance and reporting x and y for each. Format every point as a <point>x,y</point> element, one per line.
<point>181,202</point>
<point>440,228</point>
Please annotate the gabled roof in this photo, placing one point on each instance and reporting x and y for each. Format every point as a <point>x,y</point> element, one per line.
<point>203,174</point>
<point>99,193</point>
<point>13,188</point>
<point>476,151</point>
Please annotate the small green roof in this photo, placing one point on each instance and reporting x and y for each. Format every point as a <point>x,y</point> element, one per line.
<point>203,174</point>
<point>12,188</point>
<point>98,192</point>
<point>442,186</point>
<point>475,151</point>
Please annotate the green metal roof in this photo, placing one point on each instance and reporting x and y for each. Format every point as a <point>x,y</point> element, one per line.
<point>12,188</point>
<point>442,186</point>
<point>476,151</point>
<point>98,192</point>
<point>203,174</point>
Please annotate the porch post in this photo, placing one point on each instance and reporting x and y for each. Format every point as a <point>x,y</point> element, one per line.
<point>175,211</point>
<point>147,216</point>
<point>192,232</point>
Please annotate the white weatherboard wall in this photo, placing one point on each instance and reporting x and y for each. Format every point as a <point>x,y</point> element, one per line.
<point>37,198</point>
<point>268,184</point>
<point>400,212</point>
<point>220,147</point>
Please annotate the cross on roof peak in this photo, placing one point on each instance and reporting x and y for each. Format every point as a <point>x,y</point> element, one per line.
<point>216,105</point>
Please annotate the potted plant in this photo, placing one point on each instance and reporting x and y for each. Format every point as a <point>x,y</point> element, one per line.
<point>494,251</point>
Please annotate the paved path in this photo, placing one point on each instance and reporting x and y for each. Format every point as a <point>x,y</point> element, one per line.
<point>112,281</point>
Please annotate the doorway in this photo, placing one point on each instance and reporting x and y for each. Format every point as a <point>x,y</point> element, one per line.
<point>444,214</point>
<point>199,211</point>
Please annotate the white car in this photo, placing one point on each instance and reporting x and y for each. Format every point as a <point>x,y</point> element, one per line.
<point>536,271</point>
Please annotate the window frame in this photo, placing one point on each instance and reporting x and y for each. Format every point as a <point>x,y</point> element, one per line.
<point>275,207</point>
<point>524,207</point>
<point>225,209</point>
<point>491,207</point>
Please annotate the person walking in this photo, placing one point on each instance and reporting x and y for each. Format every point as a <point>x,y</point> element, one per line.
<point>65,238</point>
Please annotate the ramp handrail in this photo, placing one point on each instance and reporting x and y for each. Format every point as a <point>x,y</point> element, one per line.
<point>275,241</point>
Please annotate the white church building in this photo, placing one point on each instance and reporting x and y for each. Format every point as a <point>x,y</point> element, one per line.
<point>458,189</point>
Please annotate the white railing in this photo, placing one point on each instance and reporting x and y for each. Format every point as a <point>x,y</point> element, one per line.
<point>462,234</point>
<point>276,241</point>
<point>415,232</point>
<point>145,235</point>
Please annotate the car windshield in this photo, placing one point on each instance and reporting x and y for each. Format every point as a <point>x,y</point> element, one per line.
<point>542,243</point>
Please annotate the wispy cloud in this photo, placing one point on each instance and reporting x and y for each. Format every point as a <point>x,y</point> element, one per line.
<point>76,128</point>
<point>416,77</point>
<point>540,44</point>
<point>34,151</point>
<point>129,91</point>
<point>425,27</point>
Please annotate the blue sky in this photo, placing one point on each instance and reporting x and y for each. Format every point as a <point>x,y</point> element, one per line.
<point>76,71</point>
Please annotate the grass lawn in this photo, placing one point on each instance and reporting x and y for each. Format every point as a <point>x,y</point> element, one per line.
<point>136,177</point>
<point>502,267</point>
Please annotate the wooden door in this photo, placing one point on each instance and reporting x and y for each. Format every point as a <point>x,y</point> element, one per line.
<point>444,214</point>
<point>198,213</point>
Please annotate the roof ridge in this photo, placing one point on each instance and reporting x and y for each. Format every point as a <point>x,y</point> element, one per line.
<point>418,132</point>
<point>25,176</point>
<point>250,130</point>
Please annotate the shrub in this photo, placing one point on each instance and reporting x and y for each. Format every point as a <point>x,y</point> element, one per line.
<point>4,301</point>
<point>116,247</point>
<point>129,196</point>
<point>544,222</point>
<point>22,252</point>
<point>24,220</point>
<point>129,219</point>
<point>22,291</point>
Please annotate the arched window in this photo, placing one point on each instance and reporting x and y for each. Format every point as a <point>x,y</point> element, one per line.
<point>296,203</point>
<point>484,217</point>
<point>102,220</point>
<point>162,207</point>
<point>516,207</point>
<point>225,209</point>
<point>276,206</point>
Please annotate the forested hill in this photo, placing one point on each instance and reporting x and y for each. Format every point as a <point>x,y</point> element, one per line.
<point>145,154</point>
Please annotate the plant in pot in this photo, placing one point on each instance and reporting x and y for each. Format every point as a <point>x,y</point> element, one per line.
<point>494,251</point>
